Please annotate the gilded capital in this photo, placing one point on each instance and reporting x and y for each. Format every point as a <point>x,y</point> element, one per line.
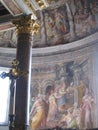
<point>25,24</point>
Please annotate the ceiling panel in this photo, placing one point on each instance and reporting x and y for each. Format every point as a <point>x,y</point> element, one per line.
<point>12,7</point>
<point>3,10</point>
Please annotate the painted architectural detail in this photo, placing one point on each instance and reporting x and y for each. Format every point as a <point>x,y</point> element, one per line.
<point>69,70</point>
<point>61,94</point>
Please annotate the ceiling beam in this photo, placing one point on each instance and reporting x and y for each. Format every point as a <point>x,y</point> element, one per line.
<point>5,22</point>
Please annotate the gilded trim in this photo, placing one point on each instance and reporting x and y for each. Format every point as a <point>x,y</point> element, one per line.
<point>40,3</point>
<point>25,24</point>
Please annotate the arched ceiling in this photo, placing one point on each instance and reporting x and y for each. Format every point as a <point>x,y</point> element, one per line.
<point>10,9</point>
<point>77,20</point>
<point>14,8</point>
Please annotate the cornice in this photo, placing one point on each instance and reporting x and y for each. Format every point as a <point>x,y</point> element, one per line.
<point>81,48</point>
<point>76,45</point>
<point>38,52</point>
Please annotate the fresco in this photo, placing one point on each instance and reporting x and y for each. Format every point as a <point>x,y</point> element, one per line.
<point>86,16</point>
<point>62,23</point>
<point>67,21</point>
<point>56,24</point>
<point>62,95</point>
<point>8,39</point>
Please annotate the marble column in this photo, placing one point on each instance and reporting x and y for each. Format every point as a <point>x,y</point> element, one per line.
<point>25,27</point>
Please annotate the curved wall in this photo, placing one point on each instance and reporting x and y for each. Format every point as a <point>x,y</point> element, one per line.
<point>68,65</point>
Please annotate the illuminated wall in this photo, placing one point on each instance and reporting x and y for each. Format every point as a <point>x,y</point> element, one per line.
<point>64,80</point>
<point>71,70</point>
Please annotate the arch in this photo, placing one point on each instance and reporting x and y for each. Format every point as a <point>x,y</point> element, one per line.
<point>45,83</point>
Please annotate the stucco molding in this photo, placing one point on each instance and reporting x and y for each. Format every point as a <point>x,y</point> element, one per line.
<point>55,53</point>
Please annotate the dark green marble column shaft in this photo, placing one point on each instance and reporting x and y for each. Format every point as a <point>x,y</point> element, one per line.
<point>24,56</point>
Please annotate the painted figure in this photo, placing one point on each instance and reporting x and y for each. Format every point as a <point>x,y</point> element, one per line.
<point>52,107</point>
<point>59,22</point>
<point>37,114</point>
<point>61,96</point>
<point>86,110</point>
<point>49,26</point>
<point>68,120</point>
<point>80,88</point>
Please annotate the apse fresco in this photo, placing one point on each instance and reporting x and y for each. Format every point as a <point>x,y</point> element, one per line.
<point>86,16</point>
<point>62,95</point>
<point>68,21</point>
<point>61,23</point>
<point>56,24</point>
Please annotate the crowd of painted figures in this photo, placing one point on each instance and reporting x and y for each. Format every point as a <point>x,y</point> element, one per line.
<point>55,107</point>
<point>59,128</point>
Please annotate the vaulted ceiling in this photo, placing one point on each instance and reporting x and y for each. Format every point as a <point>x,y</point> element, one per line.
<point>84,25</point>
<point>14,8</point>
<point>79,19</point>
<point>10,9</point>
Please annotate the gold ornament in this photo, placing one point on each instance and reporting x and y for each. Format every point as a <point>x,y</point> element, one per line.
<point>25,24</point>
